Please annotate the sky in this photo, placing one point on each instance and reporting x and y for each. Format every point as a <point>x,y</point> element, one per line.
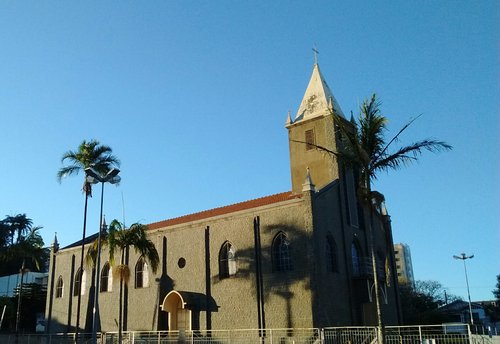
<point>192,96</point>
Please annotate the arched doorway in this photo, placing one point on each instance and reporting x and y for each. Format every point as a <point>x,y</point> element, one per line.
<point>179,317</point>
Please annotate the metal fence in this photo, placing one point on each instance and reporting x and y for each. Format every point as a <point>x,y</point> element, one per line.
<point>435,334</point>
<point>271,336</point>
<point>350,335</point>
<point>438,334</point>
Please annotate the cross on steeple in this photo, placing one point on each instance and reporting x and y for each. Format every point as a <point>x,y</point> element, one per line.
<point>316,52</point>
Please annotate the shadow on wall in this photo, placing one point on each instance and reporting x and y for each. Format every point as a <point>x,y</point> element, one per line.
<point>285,260</point>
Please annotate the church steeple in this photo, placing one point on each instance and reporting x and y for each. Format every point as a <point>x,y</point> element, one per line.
<point>314,126</point>
<point>318,99</point>
<point>55,244</point>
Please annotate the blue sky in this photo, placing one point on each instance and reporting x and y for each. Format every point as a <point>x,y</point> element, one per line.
<point>193,97</point>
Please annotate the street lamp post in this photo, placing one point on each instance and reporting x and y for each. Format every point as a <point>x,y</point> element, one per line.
<point>464,257</point>
<point>94,177</point>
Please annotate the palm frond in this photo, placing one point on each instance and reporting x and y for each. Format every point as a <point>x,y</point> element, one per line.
<point>67,171</point>
<point>120,238</point>
<point>91,256</point>
<point>321,148</point>
<point>89,154</point>
<point>122,273</point>
<point>409,154</point>
<point>396,137</point>
<point>372,126</point>
<point>69,155</point>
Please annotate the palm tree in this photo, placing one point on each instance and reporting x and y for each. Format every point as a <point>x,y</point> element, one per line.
<point>364,148</point>
<point>100,158</point>
<point>18,224</point>
<point>26,250</point>
<point>121,239</point>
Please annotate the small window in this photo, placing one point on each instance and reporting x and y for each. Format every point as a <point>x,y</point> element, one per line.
<point>331,255</point>
<point>106,278</point>
<point>281,253</point>
<point>141,274</point>
<point>59,287</point>
<point>310,141</point>
<point>79,285</point>
<point>227,260</point>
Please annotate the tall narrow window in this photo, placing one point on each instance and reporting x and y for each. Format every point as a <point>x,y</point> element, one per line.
<point>59,287</point>
<point>106,278</point>
<point>331,255</point>
<point>281,253</point>
<point>310,141</point>
<point>77,287</point>
<point>227,260</point>
<point>356,261</point>
<point>387,267</point>
<point>141,274</point>
<point>164,257</point>
<point>352,202</point>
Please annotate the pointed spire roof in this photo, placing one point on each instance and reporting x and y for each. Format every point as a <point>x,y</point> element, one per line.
<point>55,243</point>
<point>288,119</point>
<point>104,227</point>
<point>318,99</point>
<point>308,183</point>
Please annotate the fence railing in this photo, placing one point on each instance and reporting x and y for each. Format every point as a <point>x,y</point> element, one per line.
<point>433,334</point>
<point>250,336</point>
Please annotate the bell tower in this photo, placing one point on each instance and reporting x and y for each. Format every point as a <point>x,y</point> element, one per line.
<point>313,126</point>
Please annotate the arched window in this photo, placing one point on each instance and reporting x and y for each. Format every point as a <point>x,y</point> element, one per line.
<point>356,261</point>
<point>106,278</point>
<point>331,255</point>
<point>59,287</point>
<point>141,274</point>
<point>79,285</point>
<point>281,253</point>
<point>381,265</point>
<point>387,267</point>
<point>227,260</point>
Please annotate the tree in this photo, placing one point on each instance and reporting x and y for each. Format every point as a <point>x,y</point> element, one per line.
<point>496,291</point>
<point>364,148</point>
<point>18,224</point>
<point>28,246</point>
<point>21,250</point>
<point>89,154</point>
<point>420,304</point>
<point>100,158</point>
<point>435,291</point>
<point>120,239</point>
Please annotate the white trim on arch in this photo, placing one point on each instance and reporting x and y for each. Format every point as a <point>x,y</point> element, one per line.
<point>179,318</point>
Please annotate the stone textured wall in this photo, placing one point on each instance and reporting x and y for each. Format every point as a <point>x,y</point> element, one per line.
<point>60,306</point>
<point>307,296</point>
<point>322,165</point>
<point>287,295</point>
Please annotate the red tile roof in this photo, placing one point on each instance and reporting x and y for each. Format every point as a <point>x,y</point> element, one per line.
<point>254,203</point>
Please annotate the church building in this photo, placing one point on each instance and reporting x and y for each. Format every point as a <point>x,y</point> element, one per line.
<point>297,259</point>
